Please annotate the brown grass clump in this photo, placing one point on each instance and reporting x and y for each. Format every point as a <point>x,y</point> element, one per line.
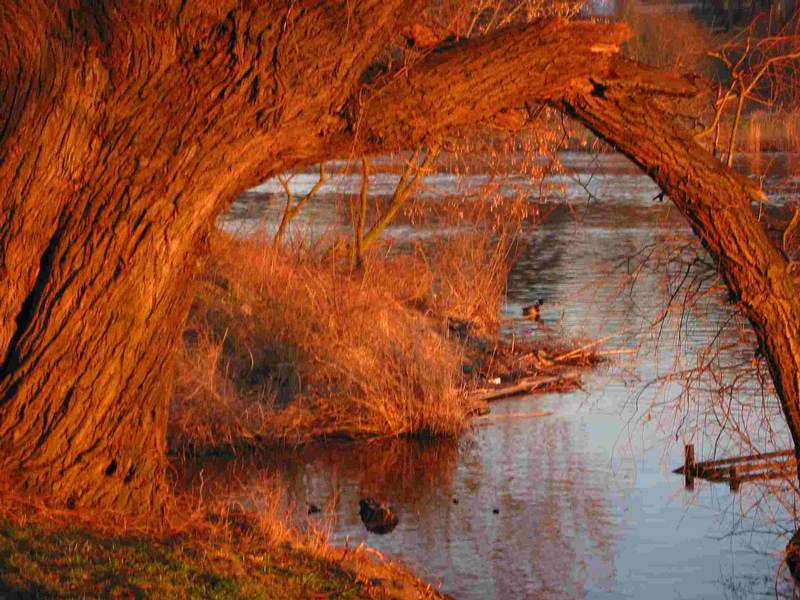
<point>283,346</point>
<point>469,272</point>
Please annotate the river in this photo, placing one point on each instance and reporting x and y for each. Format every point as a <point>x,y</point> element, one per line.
<point>582,503</point>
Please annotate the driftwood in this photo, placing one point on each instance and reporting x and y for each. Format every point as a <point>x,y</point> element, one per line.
<point>524,386</point>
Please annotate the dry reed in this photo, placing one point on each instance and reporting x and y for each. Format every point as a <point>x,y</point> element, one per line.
<point>288,345</point>
<point>764,131</point>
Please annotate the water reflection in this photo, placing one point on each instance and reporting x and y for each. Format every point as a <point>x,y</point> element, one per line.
<point>408,472</point>
<point>586,503</point>
<point>553,534</point>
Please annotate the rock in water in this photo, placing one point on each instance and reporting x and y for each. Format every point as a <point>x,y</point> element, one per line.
<point>376,516</point>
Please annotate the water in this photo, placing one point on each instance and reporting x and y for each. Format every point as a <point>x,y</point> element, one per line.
<point>580,504</point>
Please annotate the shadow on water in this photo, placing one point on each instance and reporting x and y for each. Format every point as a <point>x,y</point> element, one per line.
<point>581,504</point>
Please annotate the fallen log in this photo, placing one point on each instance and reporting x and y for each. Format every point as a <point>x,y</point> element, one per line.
<point>523,386</point>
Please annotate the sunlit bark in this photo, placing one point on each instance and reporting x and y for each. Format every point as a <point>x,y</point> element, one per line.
<point>124,130</point>
<point>127,128</point>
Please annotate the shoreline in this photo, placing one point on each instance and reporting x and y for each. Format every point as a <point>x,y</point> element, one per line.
<point>60,555</point>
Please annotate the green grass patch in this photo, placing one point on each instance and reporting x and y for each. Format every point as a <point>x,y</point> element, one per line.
<point>43,561</point>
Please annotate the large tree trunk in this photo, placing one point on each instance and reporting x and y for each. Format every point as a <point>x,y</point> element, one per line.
<point>127,128</point>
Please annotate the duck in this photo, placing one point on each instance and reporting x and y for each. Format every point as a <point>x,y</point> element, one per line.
<point>533,311</point>
<point>376,516</point>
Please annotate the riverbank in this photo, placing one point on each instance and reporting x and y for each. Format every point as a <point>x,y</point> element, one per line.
<point>68,554</point>
<point>285,346</point>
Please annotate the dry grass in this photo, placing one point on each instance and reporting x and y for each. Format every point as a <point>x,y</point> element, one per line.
<point>465,277</point>
<point>288,345</point>
<point>193,549</point>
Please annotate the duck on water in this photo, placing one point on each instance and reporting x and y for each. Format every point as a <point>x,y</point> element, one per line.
<point>533,311</point>
<point>376,516</point>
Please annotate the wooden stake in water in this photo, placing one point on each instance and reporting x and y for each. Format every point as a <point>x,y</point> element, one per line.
<point>688,465</point>
<point>733,481</point>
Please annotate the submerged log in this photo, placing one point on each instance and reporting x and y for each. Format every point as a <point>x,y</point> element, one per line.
<point>487,419</point>
<point>688,465</point>
<point>793,555</point>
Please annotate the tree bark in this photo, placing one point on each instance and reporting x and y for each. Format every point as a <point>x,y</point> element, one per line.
<point>126,128</point>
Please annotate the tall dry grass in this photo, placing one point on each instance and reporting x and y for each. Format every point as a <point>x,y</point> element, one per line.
<point>284,345</point>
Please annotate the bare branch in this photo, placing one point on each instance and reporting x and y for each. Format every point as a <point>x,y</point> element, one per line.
<point>402,192</point>
<point>291,211</point>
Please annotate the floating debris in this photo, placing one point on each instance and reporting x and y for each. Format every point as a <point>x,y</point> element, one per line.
<point>527,385</point>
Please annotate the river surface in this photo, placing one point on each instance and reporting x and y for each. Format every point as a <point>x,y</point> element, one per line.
<point>582,503</point>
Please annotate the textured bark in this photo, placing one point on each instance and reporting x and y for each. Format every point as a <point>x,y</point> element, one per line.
<point>126,126</point>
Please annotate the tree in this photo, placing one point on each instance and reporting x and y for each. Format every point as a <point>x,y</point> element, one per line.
<point>126,126</point>
<point>292,209</point>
